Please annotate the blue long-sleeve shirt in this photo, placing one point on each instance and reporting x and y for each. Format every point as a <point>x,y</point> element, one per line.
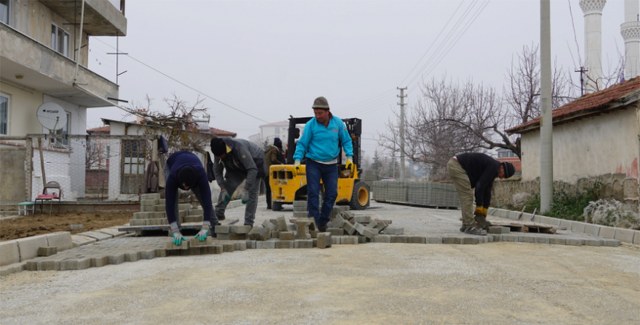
<point>175,162</point>
<point>321,143</point>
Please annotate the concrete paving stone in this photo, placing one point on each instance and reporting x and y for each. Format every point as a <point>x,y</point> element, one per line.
<point>336,231</point>
<point>416,240</point>
<point>222,229</point>
<point>99,261</point>
<point>223,236</point>
<point>526,239</point>
<point>513,215</point>
<point>28,247</point>
<point>349,228</point>
<point>228,247</point>
<point>541,239</point>
<point>75,264</point>
<point>47,250</point>
<point>324,240</point>
<point>284,244</point>
<point>370,232</point>
<point>548,221</point>
<point>303,243</point>
<point>575,242</point>
<point>509,237</point>
<point>360,228</point>
<point>607,232</point>
<point>48,265</point>
<point>471,240</point>
<point>434,240</point>
<point>131,256</point>
<point>300,204</point>
<point>557,241</point>
<point>12,268</point>
<point>591,229</point>
<point>9,252</point>
<point>267,244</point>
<point>636,238</point>
<point>610,242</point>
<point>281,223</point>
<point>116,259</point>
<point>60,239</point>
<point>398,239</point>
<point>593,242</point>
<point>240,245</point>
<point>348,240</point>
<point>382,239</point>
<point>499,230</point>
<point>150,196</point>
<point>241,229</point>
<point>286,235</point>
<point>452,240</point>
<point>624,235</point>
<point>365,219</point>
<point>300,214</point>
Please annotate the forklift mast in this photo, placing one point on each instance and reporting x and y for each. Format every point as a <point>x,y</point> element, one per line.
<point>354,127</point>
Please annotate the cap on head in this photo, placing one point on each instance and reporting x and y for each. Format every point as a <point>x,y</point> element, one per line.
<point>320,103</point>
<point>187,175</point>
<point>218,147</point>
<point>509,170</point>
<point>277,142</point>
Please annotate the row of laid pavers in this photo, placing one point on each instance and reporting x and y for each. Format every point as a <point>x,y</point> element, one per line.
<point>628,236</point>
<point>130,249</point>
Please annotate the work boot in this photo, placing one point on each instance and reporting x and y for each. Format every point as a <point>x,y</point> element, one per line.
<point>464,228</point>
<point>475,230</point>
<point>482,221</point>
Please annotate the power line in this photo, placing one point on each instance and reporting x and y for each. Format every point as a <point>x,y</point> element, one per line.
<point>193,88</point>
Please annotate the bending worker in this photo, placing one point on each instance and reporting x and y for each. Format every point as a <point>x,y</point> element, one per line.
<point>473,175</point>
<point>185,171</point>
<point>320,145</point>
<point>239,159</point>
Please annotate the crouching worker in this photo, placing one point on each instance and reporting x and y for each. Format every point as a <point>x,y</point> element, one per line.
<point>473,175</point>
<point>185,171</point>
<point>239,160</point>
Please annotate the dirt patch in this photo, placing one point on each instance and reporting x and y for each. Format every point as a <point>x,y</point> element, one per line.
<point>25,226</point>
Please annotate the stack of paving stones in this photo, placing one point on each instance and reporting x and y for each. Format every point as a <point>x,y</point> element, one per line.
<point>427,194</point>
<point>152,211</point>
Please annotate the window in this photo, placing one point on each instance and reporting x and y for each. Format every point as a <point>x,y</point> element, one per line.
<point>59,40</point>
<point>4,114</point>
<point>4,11</point>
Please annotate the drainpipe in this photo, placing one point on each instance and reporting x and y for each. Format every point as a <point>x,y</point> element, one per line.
<point>79,44</point>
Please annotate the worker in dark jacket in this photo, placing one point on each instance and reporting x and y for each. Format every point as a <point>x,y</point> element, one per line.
<point>185,171</point>
<point>239,160</point>
<point>473,175</point>
<point>274,155</point>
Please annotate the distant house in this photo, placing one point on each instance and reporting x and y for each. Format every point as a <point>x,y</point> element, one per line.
<point>42,64</point>
<point>593,136</point>
<point>270,131</point>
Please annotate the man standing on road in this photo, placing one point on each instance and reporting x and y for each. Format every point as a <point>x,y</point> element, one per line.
<point>238,159</point>
<point>185,171</point>
<point>273,155</point>
<point>320,145</point>
<point>476,171</point>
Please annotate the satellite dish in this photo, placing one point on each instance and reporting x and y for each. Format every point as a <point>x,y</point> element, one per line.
<point>52,116</point>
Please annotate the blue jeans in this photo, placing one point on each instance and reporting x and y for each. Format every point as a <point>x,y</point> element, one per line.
<point>329,176</point>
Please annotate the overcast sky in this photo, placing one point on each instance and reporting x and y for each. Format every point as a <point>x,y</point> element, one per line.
<point>256,62</point>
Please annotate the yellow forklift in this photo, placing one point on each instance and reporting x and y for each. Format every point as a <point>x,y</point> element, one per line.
<point>289,184</point>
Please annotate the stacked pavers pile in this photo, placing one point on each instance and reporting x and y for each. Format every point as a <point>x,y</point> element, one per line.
<point>152,211</point>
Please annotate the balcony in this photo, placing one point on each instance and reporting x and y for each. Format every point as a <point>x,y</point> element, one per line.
<point>33,66</point>
<point>101,18</point>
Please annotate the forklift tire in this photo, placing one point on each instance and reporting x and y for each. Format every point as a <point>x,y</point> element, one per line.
<point>276,206</point>
<point>360,197</point>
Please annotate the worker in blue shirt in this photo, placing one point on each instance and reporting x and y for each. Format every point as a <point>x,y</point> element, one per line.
<point>185,171</point>
<point>320,145</point>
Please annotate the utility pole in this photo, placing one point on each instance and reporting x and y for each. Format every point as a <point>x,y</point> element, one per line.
<point>402,104</point>
<point>546,121</point>
<point>582,71</point>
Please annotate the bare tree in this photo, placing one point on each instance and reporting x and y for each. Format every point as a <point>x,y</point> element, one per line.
<point>179,125</point>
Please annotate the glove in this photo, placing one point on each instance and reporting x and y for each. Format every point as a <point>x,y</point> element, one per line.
<point>296,164</point>
<point>176,236</point>
<point>348,164</point>
<point>204,231</point>
<point>481,211</point>
<point>225,196</point>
